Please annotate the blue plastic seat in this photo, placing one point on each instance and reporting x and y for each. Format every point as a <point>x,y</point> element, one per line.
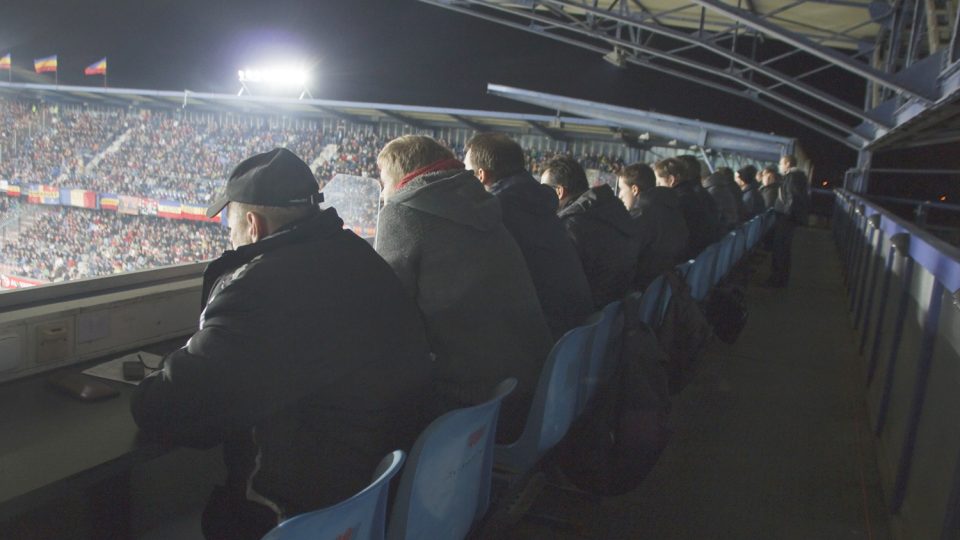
<point>603,348</point>
<point>724,258</point>
<point>700,276</point>
<point>649,301</point>
<point>754,230</point>
<point>360,517</point>
<point>554,406</point>
<point>445,486</point>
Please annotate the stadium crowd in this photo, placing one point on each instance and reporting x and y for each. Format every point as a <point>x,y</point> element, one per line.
<point>72,243</point>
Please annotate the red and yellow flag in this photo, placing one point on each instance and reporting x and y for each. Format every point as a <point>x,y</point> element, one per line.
<point>45,65</point>
<point>96,68</point>
<point>5,61</point>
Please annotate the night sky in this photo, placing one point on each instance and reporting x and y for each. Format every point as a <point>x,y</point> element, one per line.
<point>391,51</point>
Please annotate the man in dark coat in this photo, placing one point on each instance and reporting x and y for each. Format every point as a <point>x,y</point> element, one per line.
<point>750,191</point>
<point>606,239</point>
<point>656,210</point>
<point>728,203</point>
<point>443,234</point>
<point>530,214</point>
<point>310,363</point>
<point>792,207</point>
<point>770,189</point>
<point>698,208</point>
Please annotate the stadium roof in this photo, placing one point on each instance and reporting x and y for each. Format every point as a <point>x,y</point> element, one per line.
<point>627,126</point>
<point>904,54</point>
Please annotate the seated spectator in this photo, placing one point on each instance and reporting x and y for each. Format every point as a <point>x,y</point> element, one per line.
<point>718,185</point>
<point>698,208</point>
<point>444,237</point>
<point>770,190</point>
<point>752,200</point>
<point>656,210</point>
<point>530,214</point>
<point>310,363</point>
<point>606,239</point>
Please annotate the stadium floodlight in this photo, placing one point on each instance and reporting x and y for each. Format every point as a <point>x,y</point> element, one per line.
<point>617,57</point>
<point>275,80</point>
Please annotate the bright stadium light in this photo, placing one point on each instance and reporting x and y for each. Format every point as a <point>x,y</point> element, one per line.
<point>275,80</point>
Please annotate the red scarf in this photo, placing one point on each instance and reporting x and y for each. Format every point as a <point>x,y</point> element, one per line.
<point>442,165</point>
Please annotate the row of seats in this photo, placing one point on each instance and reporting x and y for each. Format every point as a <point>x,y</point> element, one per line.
<point>445,487</point>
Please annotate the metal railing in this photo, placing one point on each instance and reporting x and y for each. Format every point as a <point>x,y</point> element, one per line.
<point>904,290</point>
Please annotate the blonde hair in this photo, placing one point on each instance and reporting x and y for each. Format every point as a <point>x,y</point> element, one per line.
<point>408,153</point>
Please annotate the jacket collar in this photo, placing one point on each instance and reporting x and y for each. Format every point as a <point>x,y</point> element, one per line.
<point>323,223</point>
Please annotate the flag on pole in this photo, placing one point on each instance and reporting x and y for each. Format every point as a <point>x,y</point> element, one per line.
<point>97,68</point>
<point>5,61</point>
<point>45,65</point>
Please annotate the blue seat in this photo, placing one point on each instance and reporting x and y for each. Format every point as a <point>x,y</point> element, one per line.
<point>650,300</point>
<point>603,347</point>
<point>360,517</point>
<point>724,257</point>
<point>700,276</point>
<point>554,406</point>
<point>754,231</point>
<point>445,486</point>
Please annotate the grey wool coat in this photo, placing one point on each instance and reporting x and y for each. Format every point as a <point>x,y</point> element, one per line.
<point>443,235</point>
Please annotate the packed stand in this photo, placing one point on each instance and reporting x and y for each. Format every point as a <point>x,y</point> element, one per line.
<point>67,244</point>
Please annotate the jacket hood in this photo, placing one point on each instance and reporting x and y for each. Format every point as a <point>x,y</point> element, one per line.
<point>600,203</point>
<point>523,190</point>
<point>451,195</point>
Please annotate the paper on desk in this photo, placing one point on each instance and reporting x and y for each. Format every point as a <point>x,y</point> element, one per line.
<point>113,369</point>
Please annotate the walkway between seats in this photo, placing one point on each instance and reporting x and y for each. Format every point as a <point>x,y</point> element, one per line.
<point>771,438</point>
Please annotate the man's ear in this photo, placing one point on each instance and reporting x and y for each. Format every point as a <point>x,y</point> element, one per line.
<point>561,192</point>
<point>258,226</point>
<point>635,190</point>
<point>483,176</point>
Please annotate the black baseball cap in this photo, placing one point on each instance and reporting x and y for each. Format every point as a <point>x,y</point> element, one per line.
<point>274,178</point>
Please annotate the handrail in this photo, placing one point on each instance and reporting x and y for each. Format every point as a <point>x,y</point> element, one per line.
<point>939,258</point>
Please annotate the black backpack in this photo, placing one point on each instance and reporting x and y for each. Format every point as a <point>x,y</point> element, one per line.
<point>726,312</point>
<point>621,435</point>
<point>683,332</point>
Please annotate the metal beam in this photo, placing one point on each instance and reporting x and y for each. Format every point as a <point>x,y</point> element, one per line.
<point>476,126</point>
<point>758,89</point>
<point>736,57</point>
<point>403,119</point>
<point>550,133</point>
<point>345,116</point>
<point>824,53</point>
<point>686,131</point>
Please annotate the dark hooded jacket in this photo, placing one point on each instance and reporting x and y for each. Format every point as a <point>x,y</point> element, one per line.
<point>657,214</point>
<point>727,203</point>
<point>769,194</point>
<point>530,214</point>
<point>793,199</point>
<point>752,200</point>
<point>607,241</point>
<point>700,213</point>
<point>444,236</point>
<point>310,365</point>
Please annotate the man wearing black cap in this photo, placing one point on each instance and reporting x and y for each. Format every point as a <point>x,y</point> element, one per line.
<point>284,370</point>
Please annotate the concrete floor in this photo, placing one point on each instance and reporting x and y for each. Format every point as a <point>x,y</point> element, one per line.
<point>771,439</point>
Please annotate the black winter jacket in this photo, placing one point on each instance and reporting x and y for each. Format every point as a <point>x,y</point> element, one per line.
<point>310,365</point>
<point>657,214</point>
<point>726,202</point>
<point>607,241</point>
<point>530,214</point>
<point>753,200</point>
<point>700,213</point>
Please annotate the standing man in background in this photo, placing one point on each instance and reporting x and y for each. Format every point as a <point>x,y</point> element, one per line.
<point>792,208</point>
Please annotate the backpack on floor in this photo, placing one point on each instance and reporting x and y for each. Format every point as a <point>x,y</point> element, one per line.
<point>683,332</point>
<point>621,435</point>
